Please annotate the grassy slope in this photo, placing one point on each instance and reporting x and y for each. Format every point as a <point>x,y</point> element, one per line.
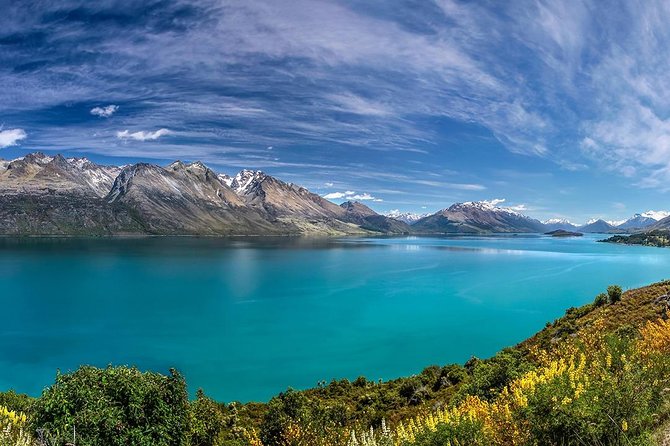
<point>367,402</point>
<point>361,403</point>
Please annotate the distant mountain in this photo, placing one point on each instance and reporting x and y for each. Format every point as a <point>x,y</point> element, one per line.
<point>366,218</point>
<point>38,173</point>
<point>186,199</point>
<point>638,221</point>
<point>662,224</point>
<point>477,217</point>
<point>42,194</point>
<point>599,226</point>
<point>554,224</point>
<point>407,217</point>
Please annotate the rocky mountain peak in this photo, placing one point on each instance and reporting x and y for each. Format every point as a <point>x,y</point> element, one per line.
<point>244,181</point>
<point>358,208</point>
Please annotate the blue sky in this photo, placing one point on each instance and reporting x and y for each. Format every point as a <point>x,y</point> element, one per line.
<point>562,108</point>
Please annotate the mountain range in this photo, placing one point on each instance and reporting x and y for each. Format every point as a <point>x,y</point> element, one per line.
<point>54,195</point>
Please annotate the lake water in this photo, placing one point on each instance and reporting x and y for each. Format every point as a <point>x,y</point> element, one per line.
<point>245,319</point>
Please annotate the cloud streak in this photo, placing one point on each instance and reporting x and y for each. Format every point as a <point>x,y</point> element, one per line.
<point>349,87</point>
<point>142,135</point>
<point>104,112</point>
<point>351,195</point>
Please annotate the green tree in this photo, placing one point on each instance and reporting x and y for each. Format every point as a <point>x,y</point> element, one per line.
<point>208,423</point>
<point>115,406</point>
<point>600,300</point>
<point>614,293</point>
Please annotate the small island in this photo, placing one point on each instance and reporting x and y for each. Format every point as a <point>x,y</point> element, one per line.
<point>563,233</point>
<point>658,238</point>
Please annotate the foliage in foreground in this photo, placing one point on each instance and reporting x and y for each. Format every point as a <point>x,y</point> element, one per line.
<point>597,376</point>
<point>606,390</point>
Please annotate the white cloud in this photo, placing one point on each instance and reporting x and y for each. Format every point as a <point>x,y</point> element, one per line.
<point>104,112</point>
<point>328,184</point>
<point>462,186</point>
<point>350,103</point>
<point>334,195</point>
<point>519,207</point>
<point>351,195</point>
<point>142,135</point>
<point>11,137</point>
<point>362,197</point>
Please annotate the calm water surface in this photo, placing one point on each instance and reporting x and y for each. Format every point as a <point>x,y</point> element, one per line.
<point>244,319</point>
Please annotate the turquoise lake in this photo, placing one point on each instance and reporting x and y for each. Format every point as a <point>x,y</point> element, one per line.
<point>246,318</point>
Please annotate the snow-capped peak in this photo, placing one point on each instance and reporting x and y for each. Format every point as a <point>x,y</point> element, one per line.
<point>484,205</point>
<point>656,215</point>
<point>79,163</point>
<point>554,221</point>
<point>244,179</point>
<point>407,217</point>
<point>225,179</point>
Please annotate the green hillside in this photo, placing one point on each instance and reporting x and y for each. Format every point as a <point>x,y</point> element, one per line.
<point>598,375</point>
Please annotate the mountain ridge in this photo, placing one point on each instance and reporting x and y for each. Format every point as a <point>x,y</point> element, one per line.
<point>53,195</point>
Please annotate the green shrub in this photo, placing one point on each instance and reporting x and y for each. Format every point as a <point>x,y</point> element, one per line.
<point>115,406</point>
<point>16,401</point>
<point>600,300</point>
<point>488,377</point>
<point>208,425</point>
<point>614,293</point>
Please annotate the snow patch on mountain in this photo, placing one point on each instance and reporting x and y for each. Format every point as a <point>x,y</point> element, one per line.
<point>656,215</point>
<point>554,221</point>
<point>245,179</point>
<point>485,205</point>
<point>407,217</point>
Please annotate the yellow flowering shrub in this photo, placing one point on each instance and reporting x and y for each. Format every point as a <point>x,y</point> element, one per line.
<point>594,390</point>
<point>13,428</point>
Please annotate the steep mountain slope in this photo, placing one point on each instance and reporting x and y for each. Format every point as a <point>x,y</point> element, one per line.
<point>187,199</point>
<point>293,205</point>
<point>475,218</point>
<point>37,173</point>
<point>664,223</point>
<point>599,226</point>
<point>637,221</point>
<point>45,195</point>
<point>366,218</point>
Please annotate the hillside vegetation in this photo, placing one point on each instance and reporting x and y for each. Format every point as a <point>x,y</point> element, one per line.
<point>597,376</point>
<point>659,238</point>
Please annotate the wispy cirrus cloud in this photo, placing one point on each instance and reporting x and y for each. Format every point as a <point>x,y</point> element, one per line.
<point>350,86</point>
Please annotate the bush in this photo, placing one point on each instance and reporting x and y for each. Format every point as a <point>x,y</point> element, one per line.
<point>115,406</point>
<point>492,375</point>
<point>614,293</point>
<point>208,423</point>
<point>468,432</point>
<point>15,401</point>
<point>600,300</point>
